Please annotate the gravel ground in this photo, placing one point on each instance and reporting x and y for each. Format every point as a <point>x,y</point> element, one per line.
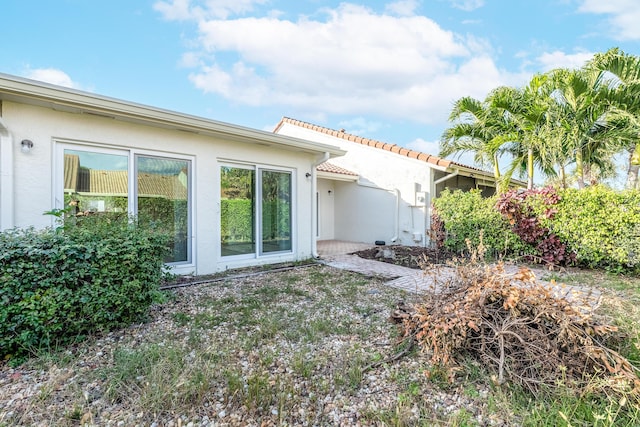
<point>284,348</point>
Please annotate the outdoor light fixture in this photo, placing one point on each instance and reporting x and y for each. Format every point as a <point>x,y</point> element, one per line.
<point>26,145</point>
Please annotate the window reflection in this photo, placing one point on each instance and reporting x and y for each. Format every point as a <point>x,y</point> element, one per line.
<point>163,200</point>
<point>95,182</point>
<point>237,217</point>
<point>276,211</point>
<point>99,182</point>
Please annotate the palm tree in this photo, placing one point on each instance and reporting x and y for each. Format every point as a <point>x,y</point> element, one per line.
<point>480,128</point>
<point>582,117</point>
<point>527,110</point>
<point>577,113</point>
<point>619,76</point>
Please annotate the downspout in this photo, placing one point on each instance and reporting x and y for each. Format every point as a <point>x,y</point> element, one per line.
<point>397,216</point>
<point>6,177</point>
<point>314,205</point>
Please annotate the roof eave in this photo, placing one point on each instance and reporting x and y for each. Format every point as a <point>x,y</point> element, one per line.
<point>74,101</point>
<point>336,176</point>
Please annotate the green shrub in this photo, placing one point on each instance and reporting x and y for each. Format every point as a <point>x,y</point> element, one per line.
<point>601,226</point>
<point>466,214</point>
<point>524,209</point>
<point>94,274</point>
<point>594,227</point>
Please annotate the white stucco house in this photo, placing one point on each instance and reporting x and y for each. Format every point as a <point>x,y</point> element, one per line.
<point>232,196</point>
<point>379,191</point>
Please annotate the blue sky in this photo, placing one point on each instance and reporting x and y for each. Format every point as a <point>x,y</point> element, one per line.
<point>383,70</point>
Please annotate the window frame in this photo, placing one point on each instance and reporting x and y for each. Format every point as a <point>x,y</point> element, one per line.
<point>132,154</point>
<point>258,168</point>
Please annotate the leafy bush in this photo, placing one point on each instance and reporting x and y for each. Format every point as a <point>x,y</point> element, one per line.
<point>96,273</point>
<point>519,207</point>
<point>594,227</point>
<point>602,226</point>
<point>466,215</point>
<point>237,219</point>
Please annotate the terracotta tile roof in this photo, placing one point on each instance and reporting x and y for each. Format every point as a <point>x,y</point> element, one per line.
<point>428,158</point>
<point>71,168</point>
<point>115,183</point>
<point>331,168</point>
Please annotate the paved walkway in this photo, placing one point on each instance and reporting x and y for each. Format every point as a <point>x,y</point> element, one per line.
<point>412,280</point>
<point>409,279</point>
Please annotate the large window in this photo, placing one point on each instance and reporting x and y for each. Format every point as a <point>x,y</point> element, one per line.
<point>156,189</point>
<point>256,214</point>
<point>96,182</point>
<point>163,199</point>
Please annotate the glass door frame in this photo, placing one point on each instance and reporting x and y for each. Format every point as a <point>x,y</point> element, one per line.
<point>258,169</point>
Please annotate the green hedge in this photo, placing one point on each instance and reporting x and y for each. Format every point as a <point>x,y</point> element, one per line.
<point>466,214</point>
<point>600,225</point>
<point>57,286</point>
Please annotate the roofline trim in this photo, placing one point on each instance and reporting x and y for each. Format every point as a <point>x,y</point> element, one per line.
<point>28,91</point>
<point>433,162</point>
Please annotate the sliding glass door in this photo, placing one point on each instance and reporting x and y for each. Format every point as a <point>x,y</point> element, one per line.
<point>237,211</point>
<point>255,211</point>
<point>163,200</point>
<point>276,211</point>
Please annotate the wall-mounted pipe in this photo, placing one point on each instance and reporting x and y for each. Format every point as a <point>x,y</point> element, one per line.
<point>314,204</point>
<point>397,217</point>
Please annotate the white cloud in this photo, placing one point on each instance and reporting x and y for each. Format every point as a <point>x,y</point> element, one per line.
<point>402,7</point>
<point>190,60</point>
<point>428,147</point>
<point>624,16</point>
<point>360,126</point>
<point>347,60</point>
<point>52,76</point>
<point>467,5</point>
<point>182,10</point>
<point>175,10</point>
<point>557,59</point>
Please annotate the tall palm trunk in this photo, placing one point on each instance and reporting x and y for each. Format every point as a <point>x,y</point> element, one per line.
<point>579,169</point>
<point>530,168</point>
<point>496,174</point>
<point>634,167</point>
<point>563,176</point>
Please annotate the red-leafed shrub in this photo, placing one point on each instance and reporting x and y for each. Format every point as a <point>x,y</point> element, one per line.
<point>517,206</point>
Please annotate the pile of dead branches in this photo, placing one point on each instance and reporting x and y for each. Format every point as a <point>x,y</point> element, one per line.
<point>524,331</point>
